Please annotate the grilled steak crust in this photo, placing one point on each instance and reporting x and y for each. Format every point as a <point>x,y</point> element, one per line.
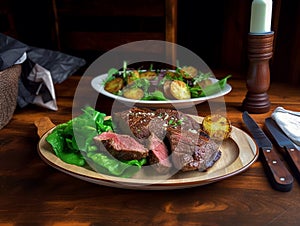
<point>141,122</point>
<point>134,122</point>
<point>122,147</point>
<point>177,120</point>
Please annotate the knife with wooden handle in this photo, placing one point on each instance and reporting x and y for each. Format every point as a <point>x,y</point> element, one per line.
<point>279,176</point>
<point>292,153</point>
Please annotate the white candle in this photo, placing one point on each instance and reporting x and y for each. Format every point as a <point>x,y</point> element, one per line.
<point>261,16</point>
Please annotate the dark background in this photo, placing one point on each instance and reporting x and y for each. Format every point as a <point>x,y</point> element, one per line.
<point>215,30</point>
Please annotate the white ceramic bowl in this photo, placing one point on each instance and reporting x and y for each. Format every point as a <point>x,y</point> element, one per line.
<point>98,84</point>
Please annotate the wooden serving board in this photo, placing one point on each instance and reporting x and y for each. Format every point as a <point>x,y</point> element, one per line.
<point>239,152</point>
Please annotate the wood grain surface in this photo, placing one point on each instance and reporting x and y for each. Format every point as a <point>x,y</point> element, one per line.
<point>34,193</point>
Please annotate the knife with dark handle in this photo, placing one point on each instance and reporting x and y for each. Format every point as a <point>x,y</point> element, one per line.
<point>279,176</point>
<point>292,153</point>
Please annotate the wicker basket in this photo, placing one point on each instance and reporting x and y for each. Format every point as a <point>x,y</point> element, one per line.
<point>8,93</point>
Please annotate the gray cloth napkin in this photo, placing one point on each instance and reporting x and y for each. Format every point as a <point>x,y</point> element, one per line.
<point>289,122</point>
<point>41,69</point>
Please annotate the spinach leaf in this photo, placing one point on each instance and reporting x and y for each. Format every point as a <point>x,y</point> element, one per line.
<point>197,91</point>
<point>156,95</point>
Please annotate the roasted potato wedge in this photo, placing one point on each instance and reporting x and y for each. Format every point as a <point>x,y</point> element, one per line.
<point>166,89</point>
<point>172,74</point>
<point>134,75</point>
<point>180,90</point>
<point>204,83</point>
<point>148,75</point>
<point>133,93</point>
<point>114,85</point>
<point>218,127</point>
<point>189,72</point>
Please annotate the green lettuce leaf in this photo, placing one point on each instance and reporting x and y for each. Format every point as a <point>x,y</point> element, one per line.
<point>73,143</point>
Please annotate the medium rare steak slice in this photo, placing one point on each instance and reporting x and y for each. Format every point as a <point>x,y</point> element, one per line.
<point>158,154</point>
<point>193,151</point>
<point>122,147</point>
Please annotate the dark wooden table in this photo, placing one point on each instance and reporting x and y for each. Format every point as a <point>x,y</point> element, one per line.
<point>34,193</point>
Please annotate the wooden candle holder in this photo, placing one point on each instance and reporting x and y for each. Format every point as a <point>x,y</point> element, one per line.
<point>260,50</point>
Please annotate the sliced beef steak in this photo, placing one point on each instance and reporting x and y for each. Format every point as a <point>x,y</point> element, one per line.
<point>177,120</point>
<point>190,147</point>
<point>141,122</point>
<point>134,122</point>
<point>158,154</point>
<point>122,147</point>
<point>193,151</point>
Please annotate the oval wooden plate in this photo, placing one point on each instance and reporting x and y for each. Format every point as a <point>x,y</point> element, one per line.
<point>238,153</point>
